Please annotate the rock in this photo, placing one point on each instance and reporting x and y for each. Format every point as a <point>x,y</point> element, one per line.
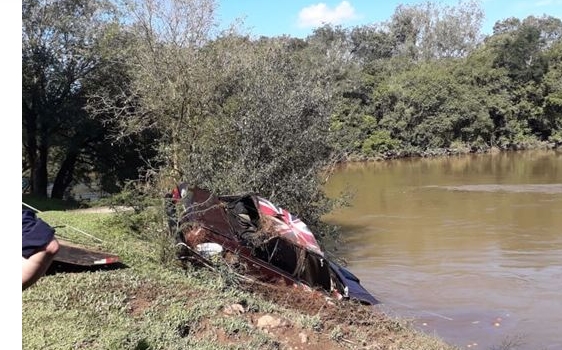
<point>304,337</point>
<point>234,309</point>
<point>268,321</point>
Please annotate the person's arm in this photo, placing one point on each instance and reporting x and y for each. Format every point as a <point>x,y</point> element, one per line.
<point>37,264</point>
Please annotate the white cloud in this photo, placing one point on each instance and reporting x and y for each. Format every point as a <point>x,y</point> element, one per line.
<point>319,14</point>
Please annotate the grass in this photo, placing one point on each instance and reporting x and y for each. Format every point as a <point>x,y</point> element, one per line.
<point>41,204</point>
<point>155,303</point>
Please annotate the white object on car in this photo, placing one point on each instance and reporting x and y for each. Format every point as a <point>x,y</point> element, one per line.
<point>209,249</point>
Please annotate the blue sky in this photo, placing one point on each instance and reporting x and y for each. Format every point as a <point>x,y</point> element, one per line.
<point>297,18</point>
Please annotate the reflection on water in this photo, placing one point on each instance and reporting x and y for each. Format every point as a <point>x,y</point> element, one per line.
<point>547,188</point>
<point>469,247</point>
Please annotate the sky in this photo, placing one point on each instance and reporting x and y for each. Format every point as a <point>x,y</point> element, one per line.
<point>297,18</point>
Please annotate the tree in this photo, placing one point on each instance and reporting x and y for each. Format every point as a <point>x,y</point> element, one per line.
<point>275,121</point>
<point>228,113</point>
<point>429,31</point>
<point>431,107</point>
<point>58,57</point>
<point>526,51</point>
<point>168,87</point>
<point>521,46</point>
<point>553,94</point>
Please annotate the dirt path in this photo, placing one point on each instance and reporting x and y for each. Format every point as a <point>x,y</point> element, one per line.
<point>100,210</point>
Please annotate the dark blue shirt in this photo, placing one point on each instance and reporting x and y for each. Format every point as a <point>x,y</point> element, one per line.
<point>35,233</point>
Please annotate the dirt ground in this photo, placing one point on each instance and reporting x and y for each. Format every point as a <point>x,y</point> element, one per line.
<point>352,319</point>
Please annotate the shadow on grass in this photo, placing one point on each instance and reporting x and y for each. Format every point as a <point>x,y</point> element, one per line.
<point>63,267</point>
<point>49,204</point>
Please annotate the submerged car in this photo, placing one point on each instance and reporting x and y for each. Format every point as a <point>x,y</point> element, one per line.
<point>263,240</point>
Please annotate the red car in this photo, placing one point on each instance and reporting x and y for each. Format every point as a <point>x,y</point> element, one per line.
<point>266,241</point>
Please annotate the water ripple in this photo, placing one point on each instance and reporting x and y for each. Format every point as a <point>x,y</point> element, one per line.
<point>524,188</point>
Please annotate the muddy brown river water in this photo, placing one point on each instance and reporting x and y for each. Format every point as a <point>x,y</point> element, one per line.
<point>468,248</point>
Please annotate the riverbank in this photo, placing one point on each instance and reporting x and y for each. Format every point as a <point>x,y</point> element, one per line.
<point>154,303</point>
<point>457,150</point>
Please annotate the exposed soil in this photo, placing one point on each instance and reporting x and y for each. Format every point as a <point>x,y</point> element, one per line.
<point>349,318</point>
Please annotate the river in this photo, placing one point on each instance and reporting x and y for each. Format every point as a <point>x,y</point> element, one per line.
<point>468,248</point>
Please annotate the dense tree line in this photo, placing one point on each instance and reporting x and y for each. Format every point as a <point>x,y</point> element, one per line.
<point>117,90</point>
<point>424,93</point>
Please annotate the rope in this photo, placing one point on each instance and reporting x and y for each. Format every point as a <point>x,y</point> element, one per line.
<point>74,228</point>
